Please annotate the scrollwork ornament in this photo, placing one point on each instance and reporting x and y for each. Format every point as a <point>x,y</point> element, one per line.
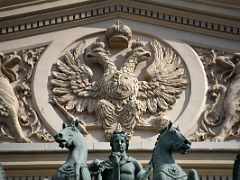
<point>16,75</point>
<point>220,119</point>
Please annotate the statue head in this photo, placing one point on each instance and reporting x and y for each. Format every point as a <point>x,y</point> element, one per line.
<point>119,141</point>
<point>67,136</point>
<point>174,139</point>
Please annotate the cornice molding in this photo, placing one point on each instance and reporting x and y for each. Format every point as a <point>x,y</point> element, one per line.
<point>86,12</point>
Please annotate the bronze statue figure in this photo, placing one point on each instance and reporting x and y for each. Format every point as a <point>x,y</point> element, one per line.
<point>119,165</point>
<point>75,167</point>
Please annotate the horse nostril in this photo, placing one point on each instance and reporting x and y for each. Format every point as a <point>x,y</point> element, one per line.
<point>187,142</point>
<point>57,136</point>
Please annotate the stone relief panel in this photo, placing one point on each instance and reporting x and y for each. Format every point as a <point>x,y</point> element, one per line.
<point>19,122</point>
<point>118,79</point>
<point>220,119</point>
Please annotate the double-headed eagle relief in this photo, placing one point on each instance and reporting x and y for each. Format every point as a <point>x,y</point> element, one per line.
<point>118,96</point>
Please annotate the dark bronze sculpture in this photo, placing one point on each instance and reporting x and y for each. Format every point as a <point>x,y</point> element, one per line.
<point>236,168</point>
<point>164,165</point>
<point>2,173</point>
<point>75,167</point>
<point>119,166</point>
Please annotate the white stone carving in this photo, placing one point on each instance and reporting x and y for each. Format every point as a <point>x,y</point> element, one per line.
<point>118,35</point>
<point>18,119</point>
<point>8,100</point>
<point>220,119</point>
<point>119,97</point>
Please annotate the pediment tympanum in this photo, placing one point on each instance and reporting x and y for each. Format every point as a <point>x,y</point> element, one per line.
<point>120,75</point>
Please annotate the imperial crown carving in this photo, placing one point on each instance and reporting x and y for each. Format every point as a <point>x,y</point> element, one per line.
<point>118,35</point>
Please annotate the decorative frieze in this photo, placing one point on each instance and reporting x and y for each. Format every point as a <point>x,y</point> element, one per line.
<point>77,16</point>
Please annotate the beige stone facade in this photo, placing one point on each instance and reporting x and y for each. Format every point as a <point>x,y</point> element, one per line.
<point>36,38</point>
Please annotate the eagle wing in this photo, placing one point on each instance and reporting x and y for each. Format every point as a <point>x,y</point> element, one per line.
<point>166,79</point>
<point>72,82</point>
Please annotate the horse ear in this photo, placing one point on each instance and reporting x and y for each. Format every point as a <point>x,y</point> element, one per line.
<point>169,125</point>
<point>81,126</point>
<point>178,128</point>
<point>76,123</point>
<point>64,126</point>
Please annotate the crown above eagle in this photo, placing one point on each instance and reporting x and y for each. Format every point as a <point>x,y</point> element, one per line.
<point>137,44</point>
<point>118,35</point>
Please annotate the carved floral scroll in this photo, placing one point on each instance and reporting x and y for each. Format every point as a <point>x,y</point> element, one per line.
<point>220,119</point>
<point>19,120</point>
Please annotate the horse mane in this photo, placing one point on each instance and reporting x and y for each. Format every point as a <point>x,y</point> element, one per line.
<point>149,167</point>
<point>150,162</point>
<point>236,168</point>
